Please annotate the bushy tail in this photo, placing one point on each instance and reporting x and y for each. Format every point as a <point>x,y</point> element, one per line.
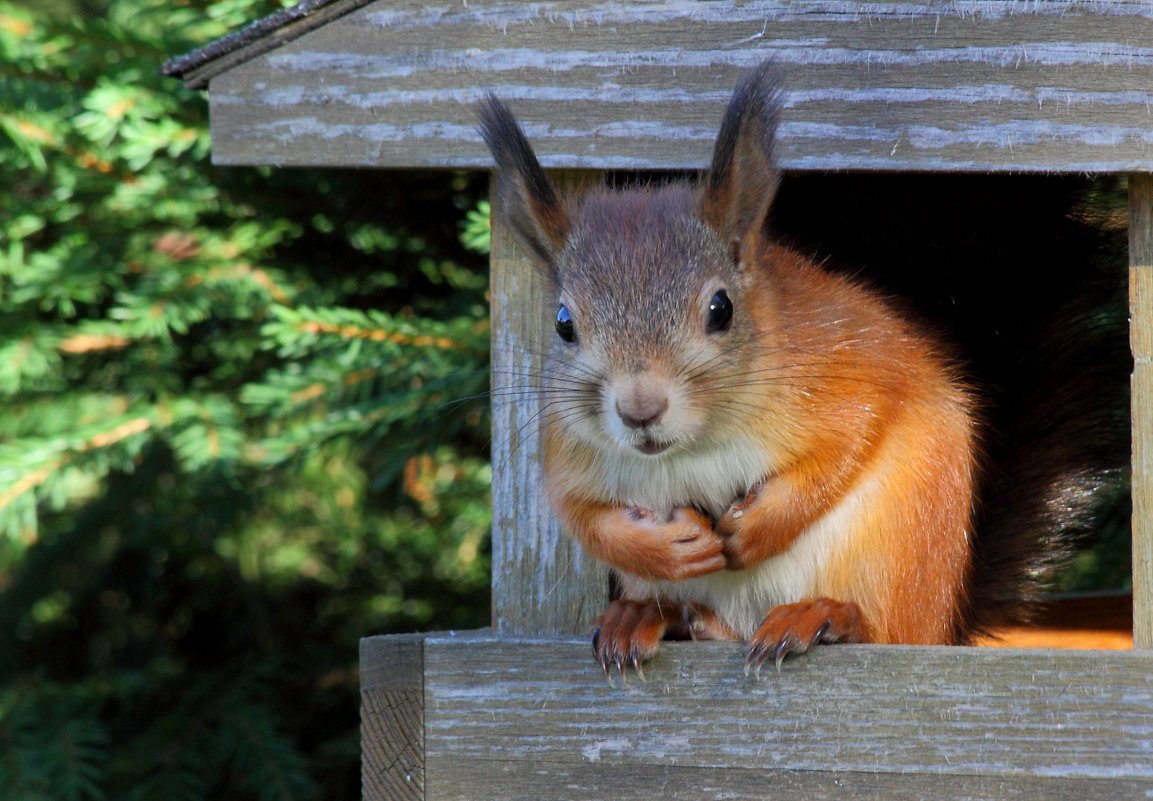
<point>1055,458</point>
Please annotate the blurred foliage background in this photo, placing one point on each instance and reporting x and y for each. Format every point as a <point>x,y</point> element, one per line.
<point>243,413</point>
<point>228,447</point>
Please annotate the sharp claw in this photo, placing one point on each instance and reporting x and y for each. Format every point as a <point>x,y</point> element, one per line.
<point>638,665</point>
<point>603,658</point>
<point>756,659</point>
<point>819,637</point>
<point>751,658</point>
<point>764,655</point>
<point>596,641</point>
<point>784,646</point>
<point>607,660</point>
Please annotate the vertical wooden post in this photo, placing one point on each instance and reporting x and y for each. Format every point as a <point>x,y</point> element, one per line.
<point>1141,341</point>
<point>542,582</point>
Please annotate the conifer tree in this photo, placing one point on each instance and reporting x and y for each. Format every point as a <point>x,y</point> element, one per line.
<point>230,437</point>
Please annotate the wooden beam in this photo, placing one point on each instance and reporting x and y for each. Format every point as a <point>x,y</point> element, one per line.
<point>392,718</point>
<point>512,780</point>
<point>1141,340</point>
<point>542,582</point>
<point>535,719</point>
<point>1048,85</point>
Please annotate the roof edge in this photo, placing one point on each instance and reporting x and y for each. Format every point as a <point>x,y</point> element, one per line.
<point>198,67</point>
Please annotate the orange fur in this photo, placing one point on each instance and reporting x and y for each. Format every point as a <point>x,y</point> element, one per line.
<point>870,402</point>
<point>751,442</point>
<point>636,541</point>
<point>908,427</point>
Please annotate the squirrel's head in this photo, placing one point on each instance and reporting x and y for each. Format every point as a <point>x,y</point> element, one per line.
<point>654,325</point>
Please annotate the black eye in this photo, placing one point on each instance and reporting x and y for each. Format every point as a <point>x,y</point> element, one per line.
<point>564,324</point>
<point>720,312</point>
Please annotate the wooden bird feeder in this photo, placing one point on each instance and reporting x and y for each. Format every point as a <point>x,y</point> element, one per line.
<point>520,711</point>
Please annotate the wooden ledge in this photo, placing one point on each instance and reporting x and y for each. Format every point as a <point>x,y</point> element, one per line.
<point>503,718</point>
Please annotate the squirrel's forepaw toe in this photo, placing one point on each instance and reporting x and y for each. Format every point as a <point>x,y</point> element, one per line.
<point>628,634</point>
<point>796,628</point>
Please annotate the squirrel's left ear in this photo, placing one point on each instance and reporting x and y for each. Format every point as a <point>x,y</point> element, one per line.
<point>742,180</point>
<point>522,190</point>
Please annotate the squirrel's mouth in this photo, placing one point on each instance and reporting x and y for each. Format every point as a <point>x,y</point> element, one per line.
<point>651,447</point>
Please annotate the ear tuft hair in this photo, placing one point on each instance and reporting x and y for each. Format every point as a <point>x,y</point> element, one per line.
<point>522,190</point>
<point>742,178</point>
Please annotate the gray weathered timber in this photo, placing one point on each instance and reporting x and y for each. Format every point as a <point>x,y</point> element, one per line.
<point>474,780</point>
<point>508,718</point>
<point>543,583</point>
<point>1047,85</point>
<point>392,717</point>
<point>1141,401</point>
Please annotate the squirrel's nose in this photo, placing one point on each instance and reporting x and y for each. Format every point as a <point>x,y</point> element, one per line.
<point>642,411</point>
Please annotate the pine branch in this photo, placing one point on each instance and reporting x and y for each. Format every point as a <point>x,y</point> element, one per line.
<point>25,361</point>
<point>298,330</point>
<point>299,387</point>
<point>40,465</point>
<point>57,748</point>
<point>271,768</point>
<point>87,343</point>
<point>206,431</point>
<point>221,733</point>
<point>64,454</point>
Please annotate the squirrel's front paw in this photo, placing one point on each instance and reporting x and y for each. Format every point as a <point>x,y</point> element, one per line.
<point>796,628</point>
<point>628,633</point>
<point>684,546</point>
<point>745,544</point>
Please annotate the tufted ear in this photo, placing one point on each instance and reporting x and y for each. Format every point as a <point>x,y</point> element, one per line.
<point>523,192</point>
<point>741,181</point>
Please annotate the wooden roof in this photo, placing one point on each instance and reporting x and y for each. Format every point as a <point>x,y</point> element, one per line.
<point>199,66</point>
<point>1048,85</point>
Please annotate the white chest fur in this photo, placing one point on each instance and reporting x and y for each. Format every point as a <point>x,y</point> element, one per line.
<point>710,479</point>
<point>742,598</point>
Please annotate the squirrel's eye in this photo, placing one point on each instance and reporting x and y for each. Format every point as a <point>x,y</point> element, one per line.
<point>720,312</point>
<point>564,324</point>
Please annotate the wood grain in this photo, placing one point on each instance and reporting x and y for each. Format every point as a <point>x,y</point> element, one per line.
<point>511,780</point>
<point>1141,341</point>
<point>543,583</point>
<point>885,719</point>
<point>392,718</point>
<point>1048,85</point>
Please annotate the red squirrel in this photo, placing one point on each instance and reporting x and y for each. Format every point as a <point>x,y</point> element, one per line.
<point>761,450</point>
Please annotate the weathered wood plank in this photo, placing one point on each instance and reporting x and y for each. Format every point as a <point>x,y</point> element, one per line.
<point>947,712</point>
<point>543,583</point>
<point>897,85</point>
<point>392,718</point>
<point>495,779</point>
<point>1141,341</point>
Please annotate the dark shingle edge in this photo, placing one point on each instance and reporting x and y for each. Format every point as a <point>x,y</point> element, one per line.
<point>259,37</point>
